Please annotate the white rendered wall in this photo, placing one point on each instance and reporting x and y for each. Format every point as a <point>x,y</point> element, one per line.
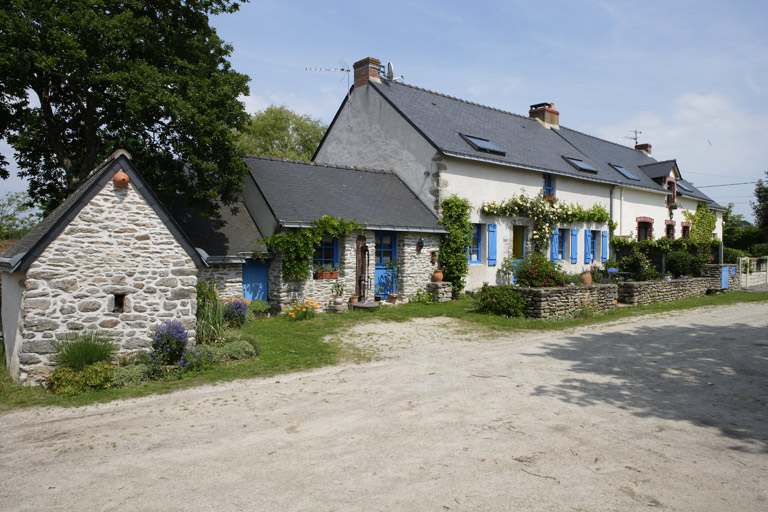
<point>13,294</point>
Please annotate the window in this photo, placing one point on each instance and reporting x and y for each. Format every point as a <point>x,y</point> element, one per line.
<point>327,252</point>
<point>644,231</point>
<point>683,186</point>
<point>549,188</point>
<point>561,236</point>
<point>473,251</point>
<point>595,244</point>
<point>625,172</point>
<point>481,144</point>
<point>580,164</point>
<point>119,305</point>
<point>686,231</point>
<point>671,231</point>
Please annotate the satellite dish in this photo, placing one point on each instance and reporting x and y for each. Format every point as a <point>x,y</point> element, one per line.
<point>390,71</point>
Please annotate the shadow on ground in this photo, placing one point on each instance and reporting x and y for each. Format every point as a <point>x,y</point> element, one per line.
<point>709,376</point>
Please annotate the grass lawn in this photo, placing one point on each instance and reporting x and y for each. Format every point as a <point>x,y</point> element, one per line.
<point>288,345</point>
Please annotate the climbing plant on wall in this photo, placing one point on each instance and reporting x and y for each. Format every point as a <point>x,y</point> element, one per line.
<point>703,223</point>
<point>453,249</point>
<point>297,246</point>
<point>546,215</point>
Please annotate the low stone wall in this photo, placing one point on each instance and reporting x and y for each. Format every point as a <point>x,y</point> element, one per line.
<point>642,293</point>
<point>568,300</point>
<point>440,292</point>
<point>713,271</point>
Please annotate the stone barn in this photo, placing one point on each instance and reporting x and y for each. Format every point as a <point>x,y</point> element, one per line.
<point>108,259</point>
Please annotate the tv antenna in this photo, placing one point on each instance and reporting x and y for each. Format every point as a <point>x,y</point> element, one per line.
<point>636,132</point>
<point>343,69</point>
<point>390,73</point>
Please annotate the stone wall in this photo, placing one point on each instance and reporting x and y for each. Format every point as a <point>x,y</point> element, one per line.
<point>440,292</point>
<point>713,270</point>
<point>642,293</point>
<point>568,300</point>
<point>228,278</point>
<point>417,269</point>
<point>115,249</point>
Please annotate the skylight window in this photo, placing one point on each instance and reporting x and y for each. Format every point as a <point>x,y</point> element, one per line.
<point>684,186</point>
<point>625,172</point>
<point>580,164</point>
<point>480,144</point>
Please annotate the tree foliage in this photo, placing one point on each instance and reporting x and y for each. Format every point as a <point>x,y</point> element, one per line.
<point>80,79</point>
<point>453,249</point>
<point>280,132</point>
<point>703,223</point>
<point>16,216</point>
<point>760,205</point>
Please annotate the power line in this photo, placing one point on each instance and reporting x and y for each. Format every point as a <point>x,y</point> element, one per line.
<point>729,184</point>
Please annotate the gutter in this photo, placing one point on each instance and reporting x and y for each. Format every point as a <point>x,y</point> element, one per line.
<point>373,227</point>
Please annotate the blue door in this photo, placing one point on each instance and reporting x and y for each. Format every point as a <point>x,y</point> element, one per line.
<point>724,277</point>
<point>386,251</point>
<point>255,280</point>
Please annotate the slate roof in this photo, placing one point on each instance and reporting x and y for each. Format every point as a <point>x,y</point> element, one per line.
<point>299,192</point>
<point>659,169</point>
<point>31,245</point>
<point>528,144</point>
<point>232,237</point>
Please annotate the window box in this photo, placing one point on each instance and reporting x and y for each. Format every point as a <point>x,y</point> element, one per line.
<point>327,274</point>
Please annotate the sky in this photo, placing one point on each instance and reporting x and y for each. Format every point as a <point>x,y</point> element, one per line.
<point>692,76</point>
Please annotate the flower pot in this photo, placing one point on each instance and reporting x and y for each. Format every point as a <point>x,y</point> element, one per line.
<point>586,278</point>
<point>437,276</point>
<point>338,299</point>
<point>326,274</point>
<point>392,298</point>
<point>353,299</point>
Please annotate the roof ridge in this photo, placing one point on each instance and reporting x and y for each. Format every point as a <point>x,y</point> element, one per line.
<point>320,164</point>
<point>448,96</point>
<point>660,162</point>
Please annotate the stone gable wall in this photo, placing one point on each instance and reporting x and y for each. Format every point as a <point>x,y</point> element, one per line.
<point>115,246</point>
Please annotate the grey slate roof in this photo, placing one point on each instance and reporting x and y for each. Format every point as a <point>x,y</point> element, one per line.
<point>528,144</point>
<point>31,245</point>
<point>231,237</point>
<point>659,169</point>
<point>300,192</point>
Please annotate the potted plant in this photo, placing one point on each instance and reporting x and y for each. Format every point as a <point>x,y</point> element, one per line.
<point>378,293</point>
<point>326,271</point>
<point>260,308</point>
<point>433,257</point>
<point>392,269</point>
<point>338,292</point>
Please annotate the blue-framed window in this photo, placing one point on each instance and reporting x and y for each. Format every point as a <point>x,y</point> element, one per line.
<point>327,252</point>
<point>562,234</point>
<point>474,255</point>
<point>549,185</point>
<point>595,244</point>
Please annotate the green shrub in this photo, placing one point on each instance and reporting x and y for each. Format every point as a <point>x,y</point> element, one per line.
<point>637,264</point>
<point>422,297</point>
<point>130,374</point>
<point>731,255</point>
<point>537,271</point>
<point>499,300</point>
<point>261,306</point>
<point>236,350</point>
<point>67,381</point>
<point>679,263</point>
<point>84,349</point>
<point>758,250</point>
<point>210,313</point>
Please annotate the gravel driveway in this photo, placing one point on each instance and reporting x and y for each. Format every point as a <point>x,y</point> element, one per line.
<point>667,412</point>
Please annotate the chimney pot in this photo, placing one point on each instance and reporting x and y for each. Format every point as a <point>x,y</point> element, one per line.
<point>645,148</point>
<point>546,113</point>
<point>366,70</point>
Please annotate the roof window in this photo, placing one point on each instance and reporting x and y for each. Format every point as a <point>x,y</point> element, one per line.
<point>580,164</point>
<point>683,186</point>
<point>625,172</point>
<point>485,145</point>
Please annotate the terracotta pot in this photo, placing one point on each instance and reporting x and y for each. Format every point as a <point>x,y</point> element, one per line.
<point>353,299</point>
<point>120,179</point>
<point>437,276</point>
<point>586,278</point>
<point>392,298</point>
<point>338,299</point>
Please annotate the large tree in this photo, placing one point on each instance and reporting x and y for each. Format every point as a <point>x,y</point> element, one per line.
<point>16,216</point>
<point>760,205</point>
<point>82,78</point>
<point>280,132</point>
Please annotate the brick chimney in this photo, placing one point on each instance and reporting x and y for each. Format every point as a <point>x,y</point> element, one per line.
<point>645,148</point>
<point>367,69</point>
<point>546,113</point>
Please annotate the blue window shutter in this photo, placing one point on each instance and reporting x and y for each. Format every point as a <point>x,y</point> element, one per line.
<point>587,246</point>
<point>555,243</point>
<point>491,244</point>
<point>574,246</point>
<point>604,246</point>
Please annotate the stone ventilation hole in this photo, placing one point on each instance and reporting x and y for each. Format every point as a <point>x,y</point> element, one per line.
<point>119,303</point>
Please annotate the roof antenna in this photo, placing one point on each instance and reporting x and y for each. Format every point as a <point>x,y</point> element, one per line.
<point>343,69</point>
<point>636,132</point>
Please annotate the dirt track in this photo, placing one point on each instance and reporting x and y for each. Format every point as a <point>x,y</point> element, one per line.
<point>668,412</point>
